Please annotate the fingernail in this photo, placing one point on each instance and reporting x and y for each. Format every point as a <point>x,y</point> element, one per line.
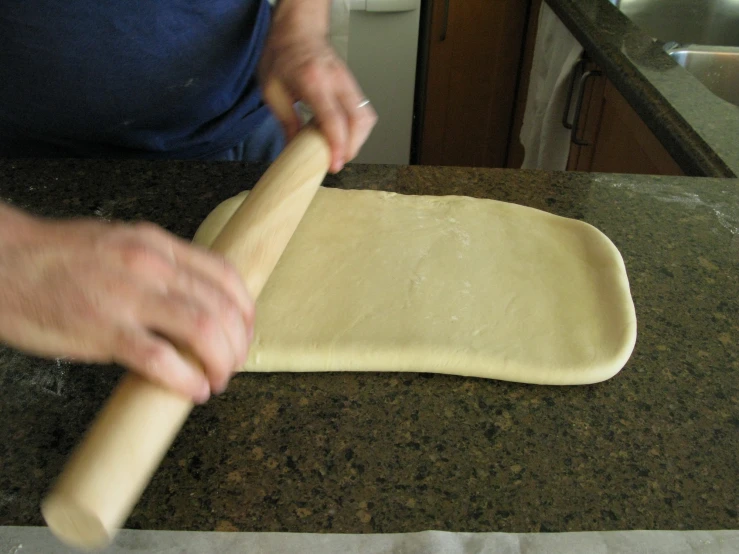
<point>204,394</point>
<point>218,391</point>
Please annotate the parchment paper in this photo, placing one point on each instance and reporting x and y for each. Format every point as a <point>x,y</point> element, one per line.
<point>37,540</point>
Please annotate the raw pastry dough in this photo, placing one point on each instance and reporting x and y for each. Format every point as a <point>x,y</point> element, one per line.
<point>377,281</point>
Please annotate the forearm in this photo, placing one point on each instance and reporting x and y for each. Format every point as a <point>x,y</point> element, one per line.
<point>299,64</point>
<point>303,16</point>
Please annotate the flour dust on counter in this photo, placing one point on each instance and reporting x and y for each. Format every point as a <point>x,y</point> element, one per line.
<point>726,211</point>
<point>43,376</point>
<point>377,281</point>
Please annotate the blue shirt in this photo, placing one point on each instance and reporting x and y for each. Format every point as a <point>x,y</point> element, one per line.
<point>129,78</point>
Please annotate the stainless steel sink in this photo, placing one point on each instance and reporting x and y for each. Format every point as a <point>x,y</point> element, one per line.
<point>715,66</point>
<point>714,22</point>
<point>700,35</point>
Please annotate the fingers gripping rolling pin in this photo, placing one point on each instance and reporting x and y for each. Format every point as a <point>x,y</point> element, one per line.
<point>108,472</point>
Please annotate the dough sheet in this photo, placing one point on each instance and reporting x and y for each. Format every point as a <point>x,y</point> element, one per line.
<point>378,281</point>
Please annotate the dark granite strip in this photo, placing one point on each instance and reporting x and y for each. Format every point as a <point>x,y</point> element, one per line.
<point>699,130</point>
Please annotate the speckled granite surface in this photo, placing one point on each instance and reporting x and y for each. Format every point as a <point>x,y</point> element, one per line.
<point>656,447</point>
<point>700,130</point>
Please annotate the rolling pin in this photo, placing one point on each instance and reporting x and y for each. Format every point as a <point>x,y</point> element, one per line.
<point>116,459</point>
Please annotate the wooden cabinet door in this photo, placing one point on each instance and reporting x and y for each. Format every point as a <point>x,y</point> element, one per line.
<point>618,140</point>
<point>473,65</point>
<point>625,144</point>
<point>587,122</point>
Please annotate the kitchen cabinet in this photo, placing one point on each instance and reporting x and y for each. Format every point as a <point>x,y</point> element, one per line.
<point>608,135</point>
<point>470,64</point>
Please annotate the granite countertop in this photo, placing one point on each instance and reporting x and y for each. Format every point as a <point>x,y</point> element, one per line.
<point>655,447</point>
<point>700,130</point>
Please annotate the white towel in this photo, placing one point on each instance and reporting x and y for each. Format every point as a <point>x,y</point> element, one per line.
<point>556,52</point>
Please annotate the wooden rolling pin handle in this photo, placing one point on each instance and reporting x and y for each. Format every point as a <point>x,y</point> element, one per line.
<point>110,468</point>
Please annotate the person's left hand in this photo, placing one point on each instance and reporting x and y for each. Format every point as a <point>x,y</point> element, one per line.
<point>299,64</point>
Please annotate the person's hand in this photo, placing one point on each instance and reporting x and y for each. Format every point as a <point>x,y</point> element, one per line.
<point>299,64</point>
<point>99,292</point>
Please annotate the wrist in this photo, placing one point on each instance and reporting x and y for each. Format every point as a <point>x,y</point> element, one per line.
<point>302,17</point>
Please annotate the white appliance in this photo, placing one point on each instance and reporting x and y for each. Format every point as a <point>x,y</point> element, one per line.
<point>379,42</point>
<point>382,52</point>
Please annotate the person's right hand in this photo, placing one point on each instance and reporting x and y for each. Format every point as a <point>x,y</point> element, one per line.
<point>99,292</point>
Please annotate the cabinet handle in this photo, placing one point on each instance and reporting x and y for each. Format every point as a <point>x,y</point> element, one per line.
<point>578,69</point>
<point>578,107</point>
<point>445,23</point>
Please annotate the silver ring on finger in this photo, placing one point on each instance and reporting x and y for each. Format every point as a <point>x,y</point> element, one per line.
<point>363,103</point>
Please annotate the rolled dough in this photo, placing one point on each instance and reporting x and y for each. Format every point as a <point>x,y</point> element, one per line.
<point>377,281</point>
